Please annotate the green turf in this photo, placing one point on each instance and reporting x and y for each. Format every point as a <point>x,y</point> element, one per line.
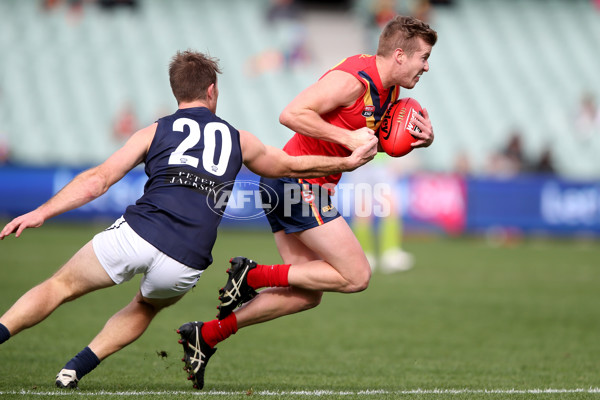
<point>470,316</point>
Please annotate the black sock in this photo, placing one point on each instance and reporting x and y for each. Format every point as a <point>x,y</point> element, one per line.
<point>83,362</point>
<point>4,334</point>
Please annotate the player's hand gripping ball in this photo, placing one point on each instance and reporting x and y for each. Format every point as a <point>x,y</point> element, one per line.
<point>395,131</point>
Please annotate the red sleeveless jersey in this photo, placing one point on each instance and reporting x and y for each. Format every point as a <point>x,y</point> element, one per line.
<point>367,111</point>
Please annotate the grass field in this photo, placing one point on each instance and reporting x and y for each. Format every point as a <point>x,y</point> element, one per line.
<point>470,321</point>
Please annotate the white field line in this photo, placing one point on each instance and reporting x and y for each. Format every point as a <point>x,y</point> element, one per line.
<point>307,393</point>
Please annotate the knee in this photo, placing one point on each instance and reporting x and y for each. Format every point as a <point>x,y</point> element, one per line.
<point>155,305</point>
<point>59,289</point>
<point>314,300</point>
<point>360,280</point>
<point>310,299</point>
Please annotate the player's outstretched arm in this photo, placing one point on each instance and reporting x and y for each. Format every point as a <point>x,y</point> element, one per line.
<point>88,185</point>
<point>272,162</point>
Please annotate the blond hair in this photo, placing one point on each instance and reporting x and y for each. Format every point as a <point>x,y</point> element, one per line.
<point>401,33</point>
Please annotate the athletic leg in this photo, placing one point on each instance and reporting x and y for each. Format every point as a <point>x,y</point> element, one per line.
<point>336,261</point>
<point>128,324</point>
<point>80,275</point>
<point>324,258</point>
<point>121,329</point>
<point>304,252</point>
<point>276,302</point>
<point>343,266</point>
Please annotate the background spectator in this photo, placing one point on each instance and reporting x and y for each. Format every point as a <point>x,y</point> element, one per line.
<point>4,149</point>
<point>587,121</point>
<point>510,161</point>
<point>545,165</point>
<point>126,123</point>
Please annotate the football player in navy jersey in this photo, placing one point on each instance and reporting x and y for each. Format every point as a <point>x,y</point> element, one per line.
<point>169,233</point>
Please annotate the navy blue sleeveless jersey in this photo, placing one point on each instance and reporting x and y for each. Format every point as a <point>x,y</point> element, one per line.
<point>191,166</point>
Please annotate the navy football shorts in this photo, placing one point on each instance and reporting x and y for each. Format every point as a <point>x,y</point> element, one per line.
<point>295,205</point>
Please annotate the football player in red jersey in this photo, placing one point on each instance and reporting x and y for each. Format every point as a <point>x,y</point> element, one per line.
<point>321,253</point>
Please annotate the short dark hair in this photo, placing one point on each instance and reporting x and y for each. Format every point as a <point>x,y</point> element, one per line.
<point>400,33</point>
<point>191,73</point>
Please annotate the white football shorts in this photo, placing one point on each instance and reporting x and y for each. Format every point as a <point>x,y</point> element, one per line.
<point>124,254</point>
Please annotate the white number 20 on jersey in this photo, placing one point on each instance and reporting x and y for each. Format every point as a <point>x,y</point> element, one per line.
<point>178,157</point>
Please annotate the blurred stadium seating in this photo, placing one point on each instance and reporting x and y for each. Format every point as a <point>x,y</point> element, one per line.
<point>498,65</point>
